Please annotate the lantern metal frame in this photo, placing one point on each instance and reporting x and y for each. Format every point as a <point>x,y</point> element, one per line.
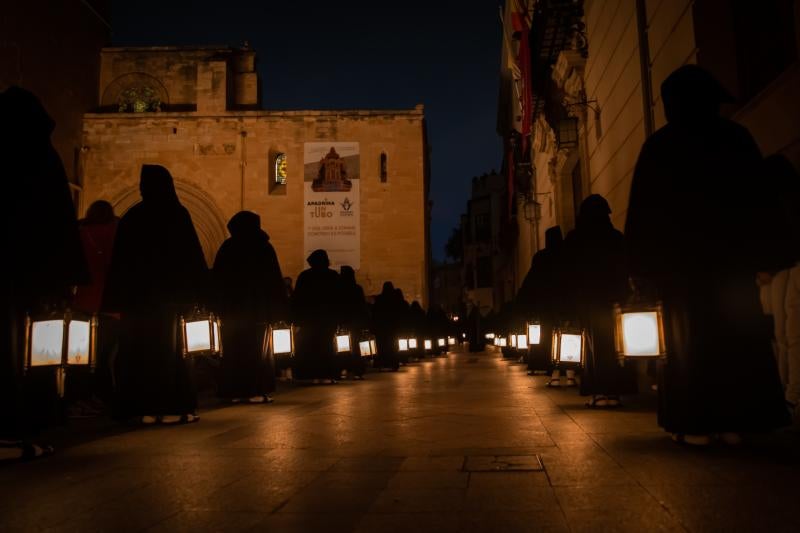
<point>638,307</point>
<point>66,318</point>
<point>556,348</point>
<point>214,334</point>
<point>280,326</point>
<point>337,348</point>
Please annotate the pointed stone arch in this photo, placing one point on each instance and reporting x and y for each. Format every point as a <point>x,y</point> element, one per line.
<point>209,222</point>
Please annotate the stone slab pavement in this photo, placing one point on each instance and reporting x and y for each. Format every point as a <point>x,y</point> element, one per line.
<point>462,443</point>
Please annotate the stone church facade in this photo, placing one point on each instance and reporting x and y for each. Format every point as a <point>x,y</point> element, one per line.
<point>198,113</point>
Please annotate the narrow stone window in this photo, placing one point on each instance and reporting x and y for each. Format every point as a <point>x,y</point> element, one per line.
<point>384,173</point>
<point>280,169</point>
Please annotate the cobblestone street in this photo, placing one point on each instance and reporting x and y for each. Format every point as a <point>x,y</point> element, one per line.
<point>466,442</point>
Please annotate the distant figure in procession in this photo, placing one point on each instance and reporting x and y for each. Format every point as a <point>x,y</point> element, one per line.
<point>249,294</point>
<point>157,272</point>
<point>539,298</point>
<point>316,307</point>
<point>695,235</point>
<point>597,278</point>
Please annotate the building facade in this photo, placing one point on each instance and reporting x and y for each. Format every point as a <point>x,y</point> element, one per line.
<point>580,84</point>
<point>52,49</point>
<point>354,182</point>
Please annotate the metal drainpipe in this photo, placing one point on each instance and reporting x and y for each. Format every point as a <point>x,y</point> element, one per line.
<point>243,164</point>
<point>644,66</point>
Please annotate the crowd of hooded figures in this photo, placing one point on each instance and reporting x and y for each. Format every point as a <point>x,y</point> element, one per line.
<point>711,232</point>
<point>140,274</point>
<point>709,226</point>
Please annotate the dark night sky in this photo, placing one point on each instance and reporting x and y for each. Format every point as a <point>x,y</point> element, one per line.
<point>349,54</point>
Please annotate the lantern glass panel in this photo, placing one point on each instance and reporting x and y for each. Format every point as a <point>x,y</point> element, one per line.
<point>489,336</point>
<point>281,341</point>
<point>78,342</point>
<point>428,344</point>
<point>640,335</point>
<point>503,342</point>
<point>198,336</point>
<point>364,348</point>
<point>534,333</point>
<point>342,343</point>
<point>513,339</point>
<point>440,343</point>
<point>570,348</point>
<point>412,344</point>
<point>215,331</point>
<point>451,341</point>
<point>373,347</point>
<point>47,341</point>
<point>402,345</point>
<point>522,341</point>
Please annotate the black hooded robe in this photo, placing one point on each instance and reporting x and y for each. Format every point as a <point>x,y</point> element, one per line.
<point>316,306</point>
<point>355,318</point>
<point>539,297</point>
<point>249,293</point>
<point>385,324</point>
<point>44,257</point>
<point>694,233</point>
<point>157,272</point>
<point>595,277</point>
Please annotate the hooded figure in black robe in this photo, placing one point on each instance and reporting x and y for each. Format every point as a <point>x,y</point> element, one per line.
<point>249,294</point>
<point>157,272</point>
<point>539,298</point>
<point>44,260</point>
<point>694,233</point>
<point>596,278</point>
<point>385,324</point>
<point>354,318</point>
<point>316,306</point>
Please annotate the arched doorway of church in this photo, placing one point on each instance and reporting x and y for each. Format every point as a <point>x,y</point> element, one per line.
<point>207,218</point>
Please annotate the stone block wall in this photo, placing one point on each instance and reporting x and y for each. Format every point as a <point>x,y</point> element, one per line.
<point>215,158</point>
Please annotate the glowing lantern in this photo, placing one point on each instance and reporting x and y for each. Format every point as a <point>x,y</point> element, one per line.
<point>534,330</point>
<point>489,336</point>
<point>412,343</point>
<point>428,344</point>
<point>522,342</point>
<point>201,334</point>
<point>281,336</point>
<point>569,346</point>
<point>502,342</point>
<point>512,340</point>
<point>441,343</point>
<point>366,346</point>
<point>451,341</point>
<point>639,331</point>
<point>402,345</point>
<point>62,339</point>
<point>373,346</point>
<point>342,341</point>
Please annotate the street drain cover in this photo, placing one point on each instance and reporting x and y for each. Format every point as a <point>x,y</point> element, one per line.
<point>503,463</point>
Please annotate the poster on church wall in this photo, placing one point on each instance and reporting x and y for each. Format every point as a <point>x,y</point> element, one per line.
<point>332,220</point>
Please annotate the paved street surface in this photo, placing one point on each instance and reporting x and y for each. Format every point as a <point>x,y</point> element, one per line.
<point>445,445</point>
